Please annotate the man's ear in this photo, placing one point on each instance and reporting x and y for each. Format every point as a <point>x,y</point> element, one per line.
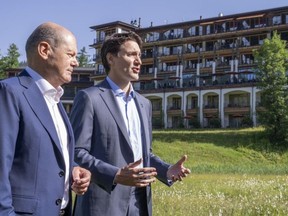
<point>110,58</point>
<point>44,49</point>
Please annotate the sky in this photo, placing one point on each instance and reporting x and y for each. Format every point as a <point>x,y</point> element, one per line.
<point>18,18</point>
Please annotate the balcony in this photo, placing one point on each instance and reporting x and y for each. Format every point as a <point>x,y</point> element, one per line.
<point>174,110</point>
<point>232,109</point>
<point>192,111</point>
<point>211,109</point>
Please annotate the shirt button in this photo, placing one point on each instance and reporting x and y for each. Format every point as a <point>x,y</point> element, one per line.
<point>58,202</point>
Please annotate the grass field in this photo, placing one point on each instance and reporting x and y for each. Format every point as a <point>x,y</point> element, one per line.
<point>234,172</point>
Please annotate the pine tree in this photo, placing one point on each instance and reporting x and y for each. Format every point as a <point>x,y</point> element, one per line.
<point>82,58</point>
<point>9,61</point>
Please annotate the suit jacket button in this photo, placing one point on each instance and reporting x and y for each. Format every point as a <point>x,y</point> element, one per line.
<point>61,173</point>
<point>58,202</point>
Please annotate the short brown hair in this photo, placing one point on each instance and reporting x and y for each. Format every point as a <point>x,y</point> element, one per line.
<point>112,45</point>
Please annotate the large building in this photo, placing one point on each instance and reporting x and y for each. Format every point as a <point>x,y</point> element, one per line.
<point>200,72</point>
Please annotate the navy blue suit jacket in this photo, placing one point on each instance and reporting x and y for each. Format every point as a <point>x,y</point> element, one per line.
<point>32,167</point>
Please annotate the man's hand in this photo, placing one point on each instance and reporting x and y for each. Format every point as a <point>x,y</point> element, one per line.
<point>81,180</point>
<point>177,172</point>
<point>132,176</point>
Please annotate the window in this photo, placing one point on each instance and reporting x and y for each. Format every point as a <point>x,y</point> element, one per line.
<point>194,102</point>
<point>147,53</point>
<point>210,45</point>
<point>152,36</point>
<point>156,104</point>
<point>176,103</point>
<point>276,20</point>
<point>145,69</point>
<point>171,66</point>
<point>191,64</point>
<point>172,50</point>
<point>239,100</point>
<point>100,36</point>
<point>208,29</point>
<point>195,30</point>
<point>212,101</point>
<point>173,34</point>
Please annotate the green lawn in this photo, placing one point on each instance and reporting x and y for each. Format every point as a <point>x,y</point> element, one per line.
<point>234,172</point>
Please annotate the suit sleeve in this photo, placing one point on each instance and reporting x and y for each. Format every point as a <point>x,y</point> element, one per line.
<point>82,120</point>
<point>9,127</point>
<point>161,166</point>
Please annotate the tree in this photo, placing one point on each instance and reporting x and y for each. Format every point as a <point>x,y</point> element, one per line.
<point>2,72</point>
<point>82,58</point>
<point>9,61</point>
<point>272,62</point>
<point>12,56</point>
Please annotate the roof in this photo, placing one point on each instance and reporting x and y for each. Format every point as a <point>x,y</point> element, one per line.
<point>115,23</point>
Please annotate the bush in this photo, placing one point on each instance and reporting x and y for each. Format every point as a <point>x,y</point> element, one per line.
<point>247,122</point>
<point>215,123</point>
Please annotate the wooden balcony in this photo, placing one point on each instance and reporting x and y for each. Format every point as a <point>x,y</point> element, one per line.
<point>192,112</point>
<point>174,111</point>
<point>210,110</point>
<point>156,113</point>
<point>237,109</point>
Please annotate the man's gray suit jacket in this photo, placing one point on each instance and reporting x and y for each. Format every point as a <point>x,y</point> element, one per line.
<point>103,146</point>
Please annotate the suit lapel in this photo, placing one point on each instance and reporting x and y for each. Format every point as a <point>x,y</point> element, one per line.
<point>112,105</point>
<point>144,127</point>
<point>38,104</point>
<point>68,127</point>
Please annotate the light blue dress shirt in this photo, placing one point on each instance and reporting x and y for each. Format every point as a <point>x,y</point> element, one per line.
<point>130,116</point>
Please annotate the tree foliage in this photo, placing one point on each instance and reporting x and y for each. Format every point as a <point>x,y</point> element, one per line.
<point>272,62</point>
<point>2,72</point>
<point>9,61</point>
<point>82,58</point>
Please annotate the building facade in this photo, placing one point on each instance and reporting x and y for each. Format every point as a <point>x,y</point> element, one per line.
<point>200,73</point>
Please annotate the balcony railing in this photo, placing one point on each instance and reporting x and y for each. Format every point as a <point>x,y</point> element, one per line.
<point>236,108</point>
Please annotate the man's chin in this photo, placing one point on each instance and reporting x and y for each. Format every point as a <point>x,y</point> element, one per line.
<point>135,77</point>
<point>68,79</point>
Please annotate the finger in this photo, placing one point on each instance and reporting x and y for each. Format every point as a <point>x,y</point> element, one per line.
<point>180,178</point>
<point>85,174</point>
<point>135,164</point>
<point>76,173</point>
<point>147,175</point>
<point>79,190</point>
<point>182,160</point>
<point>141,184</point>
<point>187,171</point>
<point>85,179</point>
<point>145,182</point>
<point>147,170</point>
<point>141,171</point>
<point>81,185</point>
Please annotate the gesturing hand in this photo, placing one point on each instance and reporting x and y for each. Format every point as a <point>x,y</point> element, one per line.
<point>178,171</point>
<point>130,175</point>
